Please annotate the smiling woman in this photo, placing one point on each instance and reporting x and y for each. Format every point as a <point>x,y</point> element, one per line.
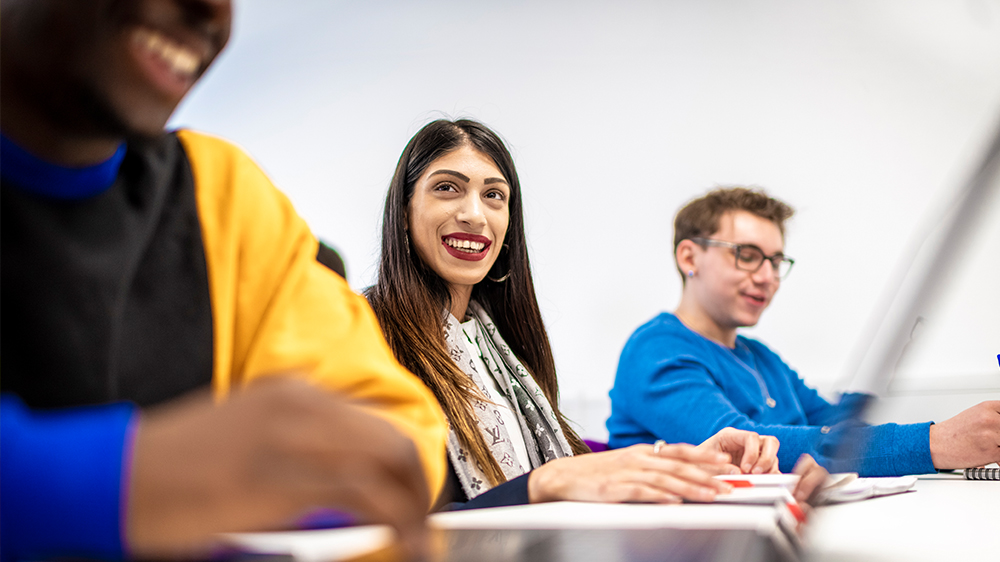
<point>458,220</point>
<point>456,183</point>
<point>456,301</point>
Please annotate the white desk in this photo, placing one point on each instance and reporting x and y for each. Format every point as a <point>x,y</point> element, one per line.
<point>561,531</point>
<point>947,518</point>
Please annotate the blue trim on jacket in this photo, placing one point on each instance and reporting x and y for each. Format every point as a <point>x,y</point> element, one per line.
<point>34,175</point>
<point>61,486</point>
<point>674,384</point>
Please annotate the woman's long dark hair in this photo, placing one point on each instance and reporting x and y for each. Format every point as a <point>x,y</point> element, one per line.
<point>409,298</point>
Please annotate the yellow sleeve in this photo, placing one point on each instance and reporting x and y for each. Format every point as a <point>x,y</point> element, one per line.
<point>276,309</point>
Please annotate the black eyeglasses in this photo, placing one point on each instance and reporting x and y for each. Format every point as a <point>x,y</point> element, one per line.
<point>750,257</point>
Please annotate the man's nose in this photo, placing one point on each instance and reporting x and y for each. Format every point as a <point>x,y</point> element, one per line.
<point>211,15</point>
<point>767,272</point>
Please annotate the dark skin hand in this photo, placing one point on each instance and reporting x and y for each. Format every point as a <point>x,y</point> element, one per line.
<point>265,457</point>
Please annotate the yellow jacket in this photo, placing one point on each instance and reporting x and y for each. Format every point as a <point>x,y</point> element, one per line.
<point>276,309</point>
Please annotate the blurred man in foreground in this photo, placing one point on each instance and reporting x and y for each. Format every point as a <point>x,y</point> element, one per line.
<point>139,266</point>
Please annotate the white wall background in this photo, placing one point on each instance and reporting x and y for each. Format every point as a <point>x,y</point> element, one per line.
<point>858,113</point>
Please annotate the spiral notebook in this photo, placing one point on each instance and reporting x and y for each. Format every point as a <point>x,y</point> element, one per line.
<point>982,474</point>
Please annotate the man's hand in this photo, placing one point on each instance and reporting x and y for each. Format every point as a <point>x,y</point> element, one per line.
<point>750,453</point>
<point>268,455</point>
<point>812,476</point>
<point>972,438</point>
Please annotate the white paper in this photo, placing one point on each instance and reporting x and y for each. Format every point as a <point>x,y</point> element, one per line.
<point>864,488</point>
<point>316,546</point>
<point>584,515</point>
<point>786,480</point>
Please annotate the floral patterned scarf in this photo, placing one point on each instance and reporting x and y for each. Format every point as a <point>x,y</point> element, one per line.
<point>539,426</point>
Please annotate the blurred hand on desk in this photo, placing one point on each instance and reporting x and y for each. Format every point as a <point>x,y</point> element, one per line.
<point>258,461</point>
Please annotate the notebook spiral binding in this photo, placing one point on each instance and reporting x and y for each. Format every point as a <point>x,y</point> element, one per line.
<point>982,474</point>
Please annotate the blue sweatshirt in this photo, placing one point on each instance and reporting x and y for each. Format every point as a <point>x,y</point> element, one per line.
<point>62,489</point>
<point>61,485</point>
<point>674,384</point>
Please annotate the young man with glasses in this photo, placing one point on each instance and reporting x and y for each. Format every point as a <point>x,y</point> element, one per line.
<point>684,376</point>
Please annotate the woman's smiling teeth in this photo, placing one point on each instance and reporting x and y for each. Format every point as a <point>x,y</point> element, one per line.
<point>180,59</point>
<point>467,246</point>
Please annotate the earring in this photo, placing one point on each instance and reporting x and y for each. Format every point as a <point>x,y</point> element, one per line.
<point>690,273</point>
<point>504,277</point>
<point>500,280</point>
<point>406,242</point>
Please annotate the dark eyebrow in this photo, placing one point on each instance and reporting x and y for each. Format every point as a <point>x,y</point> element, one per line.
<point>458,175</point>
<point>495,180</point>
<point>755,247</point>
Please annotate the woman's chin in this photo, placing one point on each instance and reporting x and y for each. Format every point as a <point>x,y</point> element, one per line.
<point>463,282</point>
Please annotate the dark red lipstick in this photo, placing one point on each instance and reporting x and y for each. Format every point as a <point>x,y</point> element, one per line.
<point>467,254</point>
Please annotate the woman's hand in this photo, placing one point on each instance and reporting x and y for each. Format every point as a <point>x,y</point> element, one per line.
<point>750,453</point>
<point>634,474</point>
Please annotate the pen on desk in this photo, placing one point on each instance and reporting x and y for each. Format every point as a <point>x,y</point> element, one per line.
<point>794,507</point>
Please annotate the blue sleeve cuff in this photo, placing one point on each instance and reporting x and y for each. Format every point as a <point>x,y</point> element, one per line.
<point>888,450</point>
<point>63,480</point>
<point>913,449</point>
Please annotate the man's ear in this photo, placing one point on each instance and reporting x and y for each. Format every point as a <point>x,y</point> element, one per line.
<point>684,256</point>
